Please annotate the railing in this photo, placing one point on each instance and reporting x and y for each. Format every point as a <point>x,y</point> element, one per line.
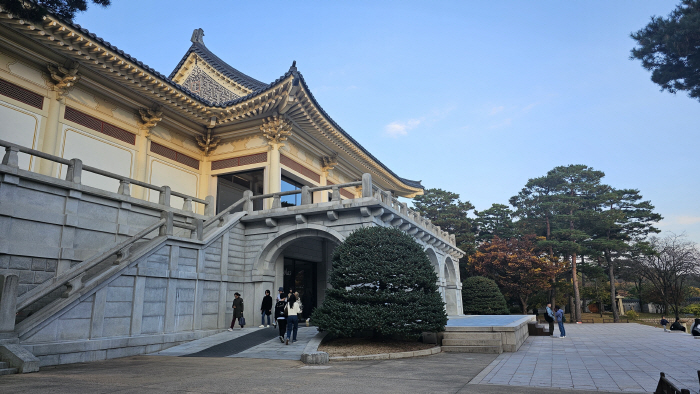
<point>76,167</point>
<point>666,387</point>
<point>386,197</point>
<point>76,278</point>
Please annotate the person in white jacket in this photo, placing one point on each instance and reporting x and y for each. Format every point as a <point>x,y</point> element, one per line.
<point>293,309</point>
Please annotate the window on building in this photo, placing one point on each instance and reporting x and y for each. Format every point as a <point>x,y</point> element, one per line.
<point>289,185</point>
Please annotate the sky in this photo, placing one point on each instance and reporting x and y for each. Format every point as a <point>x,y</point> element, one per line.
<point>473,97</point>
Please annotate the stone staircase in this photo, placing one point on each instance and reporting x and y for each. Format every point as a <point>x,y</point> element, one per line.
<point>5,369</point>
<point>472,342</point>
<point>536,329</point>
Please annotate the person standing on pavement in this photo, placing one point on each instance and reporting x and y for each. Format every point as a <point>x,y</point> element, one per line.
<point>293,311</point>
<point>237,311</point>
<point>549,317</point>
<point>266,309</point>
<point>664,323</point>
<point>280,317</point>
<point>559,315</point>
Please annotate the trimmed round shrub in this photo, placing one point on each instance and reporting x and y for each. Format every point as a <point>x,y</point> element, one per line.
<point>382,282</point>
<point>631,314</point>
<point>481,296</point>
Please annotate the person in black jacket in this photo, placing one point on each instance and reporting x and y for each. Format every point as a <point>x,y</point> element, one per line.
<point>695,330</point>
<point>677,326</point>
<point>266,309</point>
<point>280,316</point>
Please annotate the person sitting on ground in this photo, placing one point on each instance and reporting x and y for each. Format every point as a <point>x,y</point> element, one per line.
<point>677,326</point>
<point>664,323</point>
<point>695,330</point>
<point>266,309</point>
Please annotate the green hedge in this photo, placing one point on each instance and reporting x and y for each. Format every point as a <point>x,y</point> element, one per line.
<point>382,282</point>
<point>481,296</point>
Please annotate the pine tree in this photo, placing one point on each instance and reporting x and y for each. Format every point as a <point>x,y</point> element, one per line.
<point>382,281</point>
<point>481,296</point>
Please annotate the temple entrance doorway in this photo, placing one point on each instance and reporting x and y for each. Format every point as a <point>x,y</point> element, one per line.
<point>301,276</point>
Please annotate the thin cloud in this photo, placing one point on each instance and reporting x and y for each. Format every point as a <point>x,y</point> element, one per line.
<point>496,110</point>
<point>397,129</point>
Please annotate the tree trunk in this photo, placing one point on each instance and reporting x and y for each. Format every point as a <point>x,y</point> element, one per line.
<point>523,303</point>
<point>577,295</point>
<point>611,273</point>
<point>553,293</point>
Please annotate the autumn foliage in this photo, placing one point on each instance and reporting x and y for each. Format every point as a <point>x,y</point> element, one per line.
<point>518,267</point>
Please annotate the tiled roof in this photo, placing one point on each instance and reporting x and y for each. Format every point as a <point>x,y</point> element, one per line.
<point>257,86</point>
<point>220,66</point>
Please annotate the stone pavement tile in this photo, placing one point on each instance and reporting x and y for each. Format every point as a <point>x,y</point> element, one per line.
<point>615,357</point>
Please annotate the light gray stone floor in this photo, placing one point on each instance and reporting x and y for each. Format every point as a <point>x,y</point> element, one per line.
<point>205,343</point>
<point>277,350</point>
<point>272,349</point>
<point>604,357</point>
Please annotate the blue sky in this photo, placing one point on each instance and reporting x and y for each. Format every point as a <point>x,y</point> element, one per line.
<point>474,97</point>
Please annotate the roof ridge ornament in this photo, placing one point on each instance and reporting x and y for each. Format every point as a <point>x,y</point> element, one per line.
<point>198,36</point>
<point>294,66</point>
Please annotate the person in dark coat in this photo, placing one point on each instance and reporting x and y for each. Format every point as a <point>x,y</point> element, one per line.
<point>677,326</point>
<point>280,316</point>
<point>266,309</point>
<point>237,310</point>
<point>695,330</point>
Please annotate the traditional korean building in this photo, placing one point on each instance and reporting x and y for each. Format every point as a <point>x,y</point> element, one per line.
<point>210,133</point>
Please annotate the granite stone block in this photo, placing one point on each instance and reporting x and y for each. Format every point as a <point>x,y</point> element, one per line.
<point>20,263</point>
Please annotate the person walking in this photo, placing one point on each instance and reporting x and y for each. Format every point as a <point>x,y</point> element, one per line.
<point>280,316</point>
<point>266,309</point>
<point>293,310</point>
<point>549,317</point>
<point>559,315</point>
<point>237,311</point>
<point>664,323</point>
<point>280,296</point>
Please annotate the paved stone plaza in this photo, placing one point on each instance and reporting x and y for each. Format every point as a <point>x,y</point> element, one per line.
<point>607,357</point>
<point>444,373</point>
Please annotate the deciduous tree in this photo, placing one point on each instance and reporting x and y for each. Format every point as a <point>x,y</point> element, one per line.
<point>669,266</point>
<point>517,265</point>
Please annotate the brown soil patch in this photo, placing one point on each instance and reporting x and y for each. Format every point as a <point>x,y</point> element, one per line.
<point>363,346</point>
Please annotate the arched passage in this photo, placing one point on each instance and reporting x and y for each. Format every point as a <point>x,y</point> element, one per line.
<point>298,259</point>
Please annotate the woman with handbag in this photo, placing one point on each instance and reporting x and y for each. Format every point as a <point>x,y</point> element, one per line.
<point>292,311</point>
<point>237,311</point>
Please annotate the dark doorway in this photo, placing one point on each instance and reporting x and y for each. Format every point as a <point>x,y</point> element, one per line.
<point>300,276</point>
<point>230,188</point>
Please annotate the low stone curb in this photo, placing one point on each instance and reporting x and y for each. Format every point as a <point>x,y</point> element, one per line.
<point>311,355</point>
<point>387,356</point>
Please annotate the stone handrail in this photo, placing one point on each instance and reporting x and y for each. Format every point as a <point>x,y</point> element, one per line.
<point>73,277</point>
<point>76,167</point>
<point>386,197</point>
<point>306,193</point>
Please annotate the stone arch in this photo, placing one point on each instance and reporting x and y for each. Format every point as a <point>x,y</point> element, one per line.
<point>434,261</point>
<point>270,251</point>
<point>451,270</point>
